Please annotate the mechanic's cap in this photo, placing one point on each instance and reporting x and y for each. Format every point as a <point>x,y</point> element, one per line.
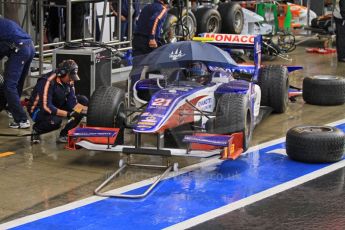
<point>69,67</point>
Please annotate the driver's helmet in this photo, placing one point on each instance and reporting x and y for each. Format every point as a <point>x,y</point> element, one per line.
<point>198,72</point>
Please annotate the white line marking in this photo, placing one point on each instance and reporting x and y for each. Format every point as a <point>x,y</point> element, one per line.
<point>278,151</point>
<point>257,197</point>
<point>93,199</point>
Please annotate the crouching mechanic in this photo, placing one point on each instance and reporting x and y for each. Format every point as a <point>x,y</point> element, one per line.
<point>53,99</point>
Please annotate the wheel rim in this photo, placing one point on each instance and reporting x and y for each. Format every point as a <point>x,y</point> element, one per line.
<point>190,25</point>
<point>238,20</point>
<point>315,129</point>
<point>212,25</point>
<point>325,77</point>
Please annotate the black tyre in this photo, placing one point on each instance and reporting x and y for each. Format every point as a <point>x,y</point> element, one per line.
<point>2,93</point>
<point>232,17</point>
<point>274,84</point>
<point>315,144</point>
<point>208,20</point>
<point>106,109</point>
<point>188,21</point>
<point>173,137</point>
<point>324,90</point>
<point>170,30</point>
<point>233,114</point>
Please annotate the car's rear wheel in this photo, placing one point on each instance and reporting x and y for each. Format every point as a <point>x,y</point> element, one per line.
<point>106,109</point>
<point>234,114</point>
<point>274,84</point>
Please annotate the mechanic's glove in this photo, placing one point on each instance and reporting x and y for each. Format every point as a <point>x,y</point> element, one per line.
<point>73,115</point>
<point>153,43</point>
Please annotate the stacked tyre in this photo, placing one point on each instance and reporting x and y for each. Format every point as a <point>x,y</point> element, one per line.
<point>225,18</point>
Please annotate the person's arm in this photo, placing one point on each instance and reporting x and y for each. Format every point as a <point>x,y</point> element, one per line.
<point>47,99</point>
<point>71,99</point>
<point>156,18</point>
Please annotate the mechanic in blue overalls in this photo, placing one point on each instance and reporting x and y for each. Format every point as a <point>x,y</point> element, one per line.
<point>17,45</point>
<point>147,33</point>
<point>53,99</point>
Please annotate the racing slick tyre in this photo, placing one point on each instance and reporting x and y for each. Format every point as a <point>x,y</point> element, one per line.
<point>232,17</point>
<point>188,21</point>
<point>173,137</point>
<point>106,109</point>
<point>233,114</point>
<point>324,90</point>
<point>315,144</point>
<point>2,93</point>
<point>170,30</point>
<point>208,20</point>
<point>274,84</point>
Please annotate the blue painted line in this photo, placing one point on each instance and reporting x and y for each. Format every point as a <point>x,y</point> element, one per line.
<point>188,195</point>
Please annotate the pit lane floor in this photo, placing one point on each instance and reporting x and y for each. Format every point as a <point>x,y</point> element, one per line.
<point>45,176</point>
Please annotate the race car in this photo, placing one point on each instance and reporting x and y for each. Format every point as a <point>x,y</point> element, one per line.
<point>193,97</point>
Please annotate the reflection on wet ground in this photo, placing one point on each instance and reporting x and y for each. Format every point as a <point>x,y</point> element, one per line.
<point>44,176</point>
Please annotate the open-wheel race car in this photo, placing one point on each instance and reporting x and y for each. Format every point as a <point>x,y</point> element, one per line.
<point>192,96</point>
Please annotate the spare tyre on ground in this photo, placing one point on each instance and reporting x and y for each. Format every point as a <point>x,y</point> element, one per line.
<point>324,90</point>
<point>315,144</point>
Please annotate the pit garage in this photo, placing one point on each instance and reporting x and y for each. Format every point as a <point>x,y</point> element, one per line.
<point>256,142</point>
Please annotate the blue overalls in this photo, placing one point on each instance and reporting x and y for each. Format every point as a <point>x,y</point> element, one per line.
<point>17,45</point>
<point>49,99</point>
<point>149,25</point>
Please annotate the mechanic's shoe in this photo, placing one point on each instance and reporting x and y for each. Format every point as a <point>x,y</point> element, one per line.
<point>9,114</point>
<point>62,139</point>
<point>35,137</point>
<point>20,125</point>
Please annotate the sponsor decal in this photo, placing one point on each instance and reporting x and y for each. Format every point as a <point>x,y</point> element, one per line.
<point>240,69</point>
<point>231,38</point>
<point>176,55</point>
<point>94,134</point>
<point>205,104</point>
<point>149,119</point>
<point>146,123</point>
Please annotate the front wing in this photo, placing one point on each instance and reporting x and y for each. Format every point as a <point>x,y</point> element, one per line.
<point>199,145</point>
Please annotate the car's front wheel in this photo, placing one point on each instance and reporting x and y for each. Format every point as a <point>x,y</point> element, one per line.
<point>234,114</point>
<point>106,109</point>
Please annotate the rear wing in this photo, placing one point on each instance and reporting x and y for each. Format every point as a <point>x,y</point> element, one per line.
<point>236,41</point>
